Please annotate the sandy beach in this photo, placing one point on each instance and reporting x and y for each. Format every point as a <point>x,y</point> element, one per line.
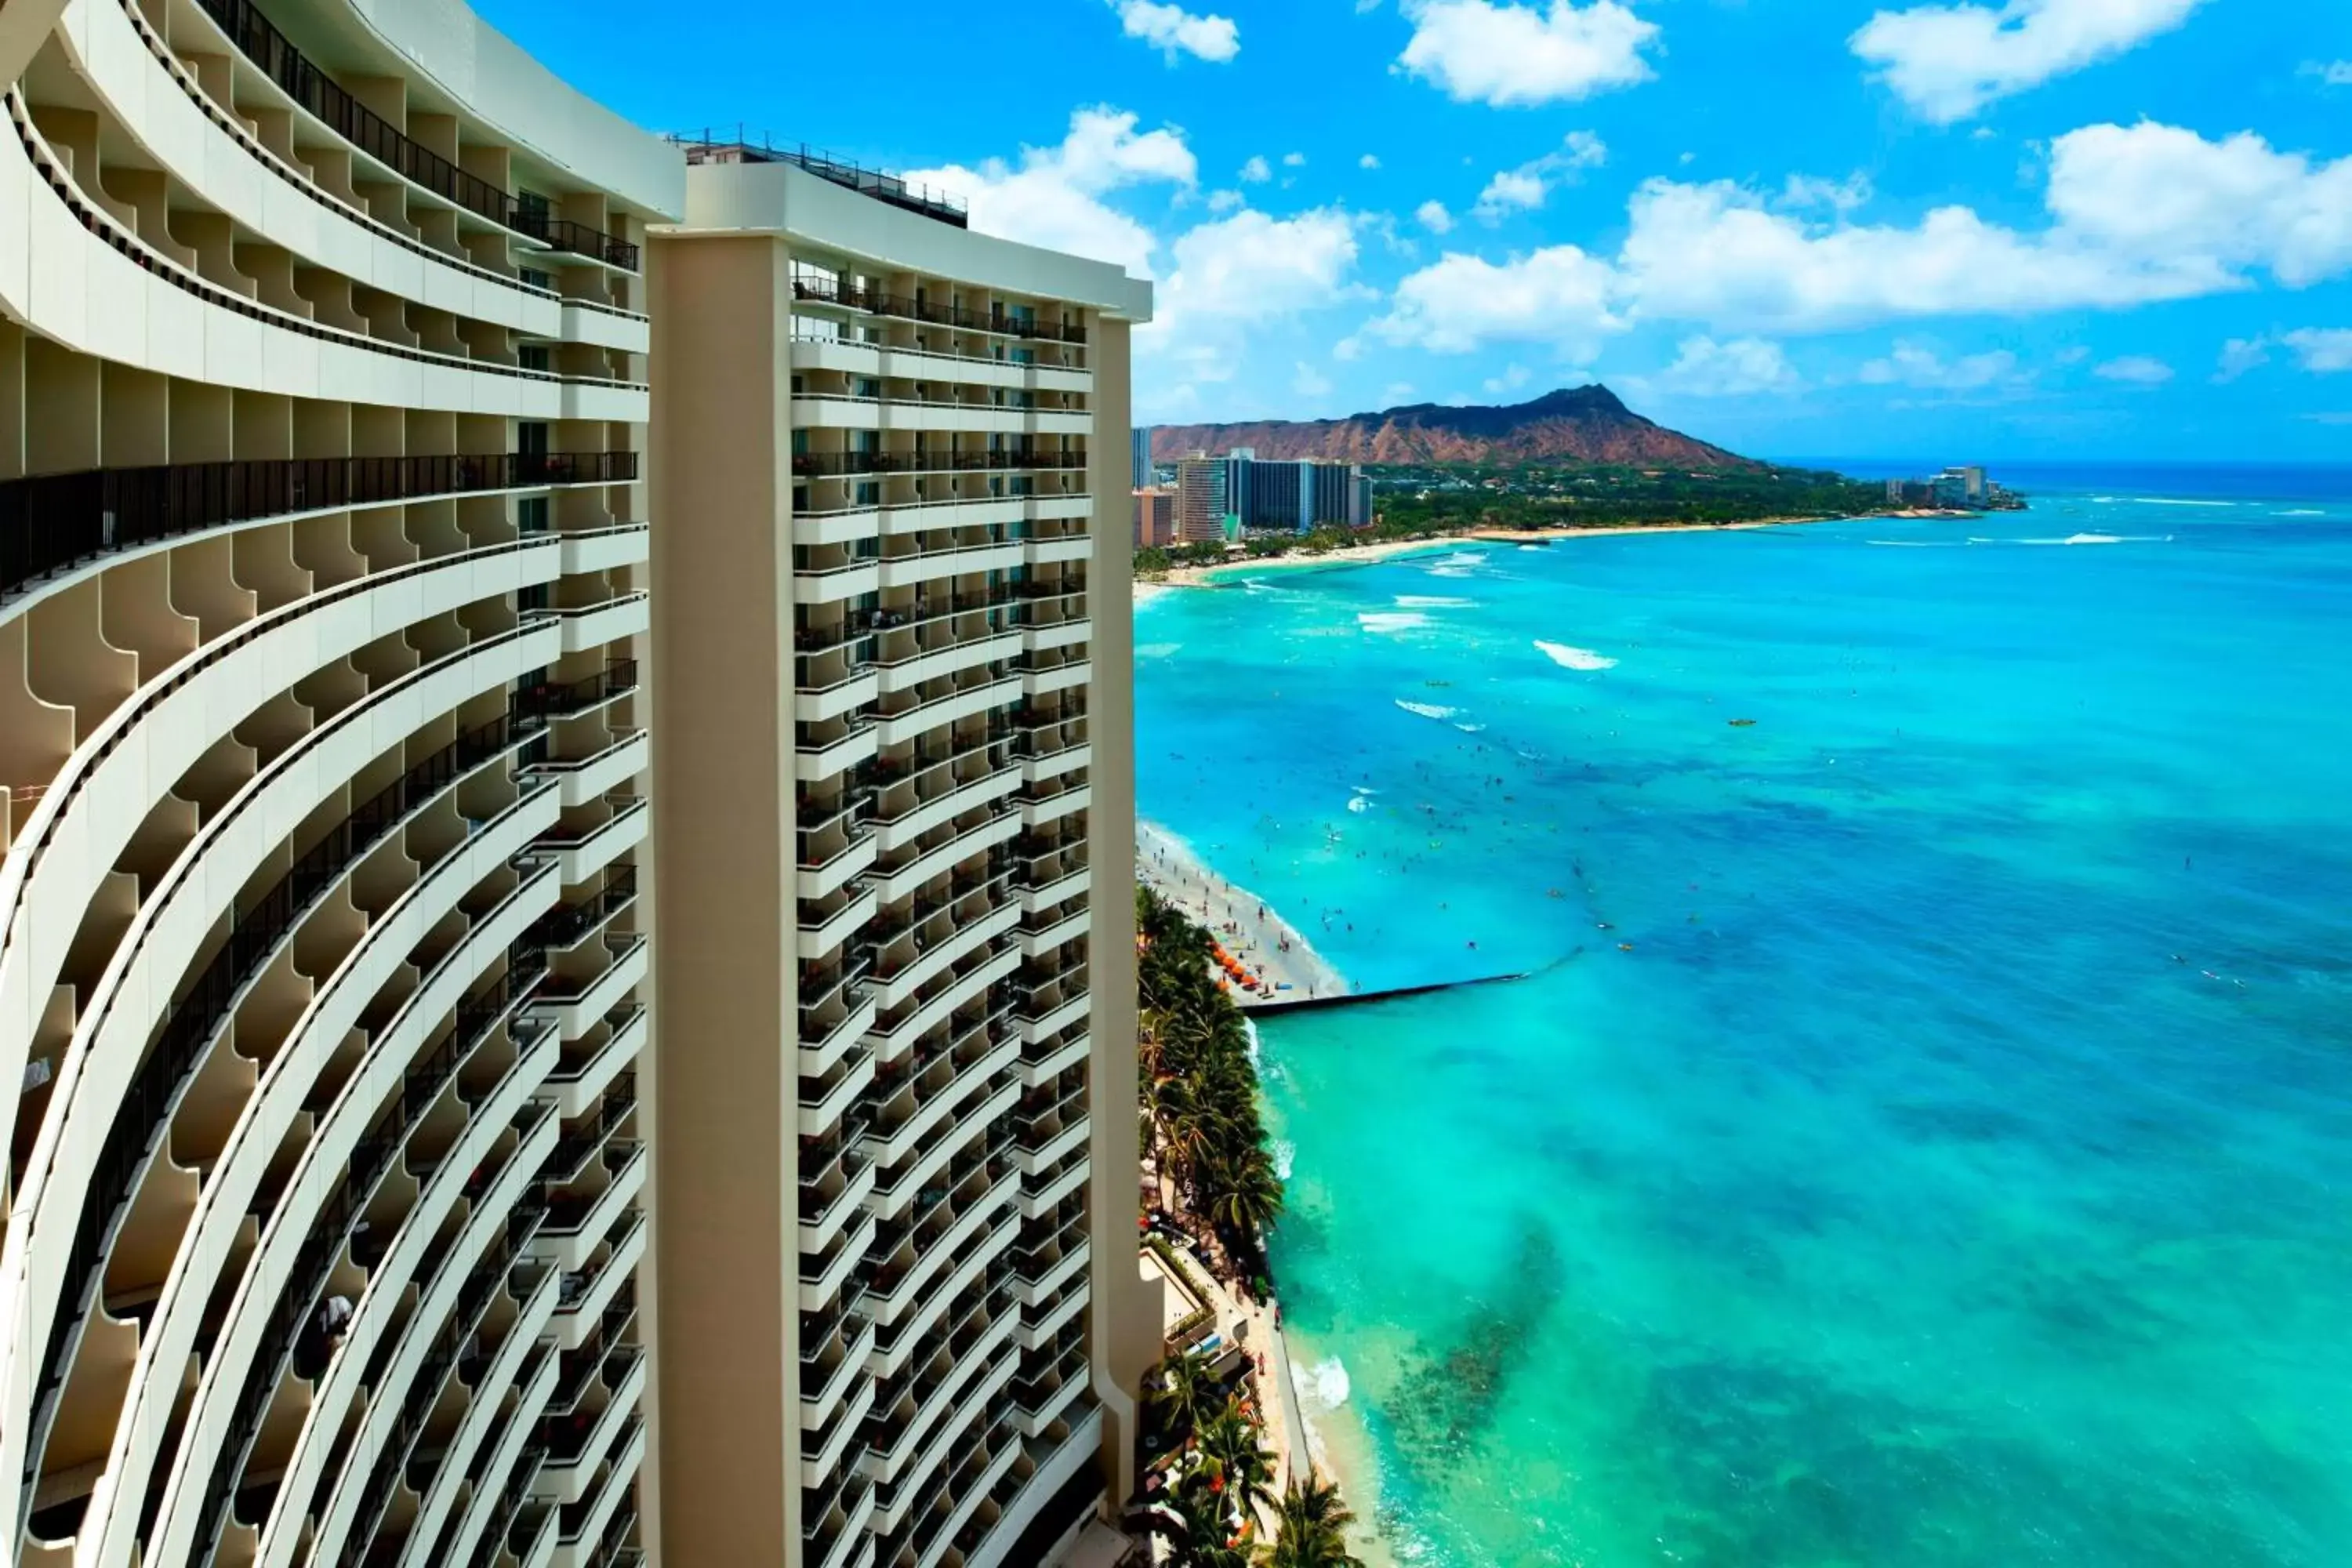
<point>1250,929</point>
<point>1365,555</point>
<point>1361,555</point>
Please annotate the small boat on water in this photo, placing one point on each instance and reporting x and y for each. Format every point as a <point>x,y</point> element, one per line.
<point>1742,723</point>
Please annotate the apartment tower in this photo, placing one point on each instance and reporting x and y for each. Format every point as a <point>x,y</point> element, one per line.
<point>900,1289</point>
<point>323,974</point>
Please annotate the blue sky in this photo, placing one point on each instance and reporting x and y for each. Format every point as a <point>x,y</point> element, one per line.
<point>2053,228</point>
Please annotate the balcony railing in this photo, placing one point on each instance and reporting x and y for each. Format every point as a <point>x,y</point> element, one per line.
<point>826,292</point>
<point>311,88</point>
<point>60,521</point>
<point>835,465</point>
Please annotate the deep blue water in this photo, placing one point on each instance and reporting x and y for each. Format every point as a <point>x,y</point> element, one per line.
<point>1952,1165</point>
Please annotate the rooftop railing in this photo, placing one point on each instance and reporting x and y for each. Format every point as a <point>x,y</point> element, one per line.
<point>942,207</point>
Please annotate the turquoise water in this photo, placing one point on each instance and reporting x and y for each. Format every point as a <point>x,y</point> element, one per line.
<point>1956,1169</point>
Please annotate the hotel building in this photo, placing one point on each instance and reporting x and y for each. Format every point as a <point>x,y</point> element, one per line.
<point>896,891</point>
<point>342,1222</point>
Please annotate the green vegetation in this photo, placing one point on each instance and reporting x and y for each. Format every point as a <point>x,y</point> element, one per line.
<point>1433,502</point>
<point>1207,1146</point>
<point>1537,497</point>
<point>1205,1140</point>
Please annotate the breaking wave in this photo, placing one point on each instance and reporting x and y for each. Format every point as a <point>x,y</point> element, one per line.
<point>1426,710</point>
<point>1382,621</point>
<point>1575,658</point>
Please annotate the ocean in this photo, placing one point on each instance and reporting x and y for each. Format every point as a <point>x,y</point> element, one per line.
<point>1922,1134</point>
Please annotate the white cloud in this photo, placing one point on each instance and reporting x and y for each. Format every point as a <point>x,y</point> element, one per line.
<point>1915,365</point>
<point>1948,61</point>
<point>1309,382</point>
<point>1252,268</point>
<point>1225,201</point>
<point>1505,55</point>
<point>2138,215</point>
<point>1395,393</point>
<point>1256,172</point>
<point>1052,196</point>
<point>1511,380</point>
<point>2171,194</point>
<point>1559,295</point>
<point>2324,353</point>
<point>2135,370</point>
<point>1511,191</point>
<point>2335,73</point>
<point>2321,351</point>
<point>1173,30</point>
<point>1369,161</point>
<point>1293,159</point>
<point>1523,189</point>
<point>1740,368</point>
<point>2242,356</point>
<point>1840,196</point>
<point>1433,217</point>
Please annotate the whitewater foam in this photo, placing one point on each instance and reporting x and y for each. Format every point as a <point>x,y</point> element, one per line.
<point>1327,1380</point>
<point>1381,622</point>
<point>1285,1154</point>
<point>1158,649</point>
<point>1575,658</point>
<point>1426,710</point>
<point>1431,602</point>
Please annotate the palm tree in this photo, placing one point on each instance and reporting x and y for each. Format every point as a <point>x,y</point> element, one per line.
<point>1235,1451</point>
<point>1311,1527</point>
<point>1246,1197</point>
<point>1185,1388</point>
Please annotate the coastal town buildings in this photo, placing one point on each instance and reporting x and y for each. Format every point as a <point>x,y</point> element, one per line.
<point>1961,488</point>
<point>400,455</point>
<point>1146,473</point>
<point>1155,518</point>
<point>1294,495</point>
<point>1202,505</point>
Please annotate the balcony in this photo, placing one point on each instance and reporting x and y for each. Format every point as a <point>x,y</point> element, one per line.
<point>326,101</point>
<point>578,1002</point>
<point>581,1297</point>
<point>932,461</point>
<point>55,522</point>
<point>823,1274</point>
<point>597,775</point>
<point>832,746</point>
<point>921,308</point>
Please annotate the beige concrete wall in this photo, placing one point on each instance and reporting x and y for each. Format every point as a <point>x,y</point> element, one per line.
<point>726,1356</point>
<point>1125,1328</point>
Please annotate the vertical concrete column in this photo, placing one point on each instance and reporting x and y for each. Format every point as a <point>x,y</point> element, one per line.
<point>61,409</point>
<point>12,401</point>
<point>1124,1324</point>
<point>726,1245</point>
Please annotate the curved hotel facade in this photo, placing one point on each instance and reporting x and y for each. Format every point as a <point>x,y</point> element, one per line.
<point>368,1204</point>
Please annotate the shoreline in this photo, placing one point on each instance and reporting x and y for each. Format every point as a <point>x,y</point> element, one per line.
<point>1338,1446</point>
<point>1147,588</point>
<point>1250,929</point>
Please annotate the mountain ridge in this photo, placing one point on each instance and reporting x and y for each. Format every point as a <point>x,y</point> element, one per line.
<point>1579,425</point>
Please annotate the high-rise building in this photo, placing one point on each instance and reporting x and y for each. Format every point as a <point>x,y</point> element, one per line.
<point>1201,504</point>
<point>1155,518</point>
<point>323,1014</point>
<point>901,1316</point>
<point>1294,494</point>
<point>1147,473</point>
<point>382,1192</point>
